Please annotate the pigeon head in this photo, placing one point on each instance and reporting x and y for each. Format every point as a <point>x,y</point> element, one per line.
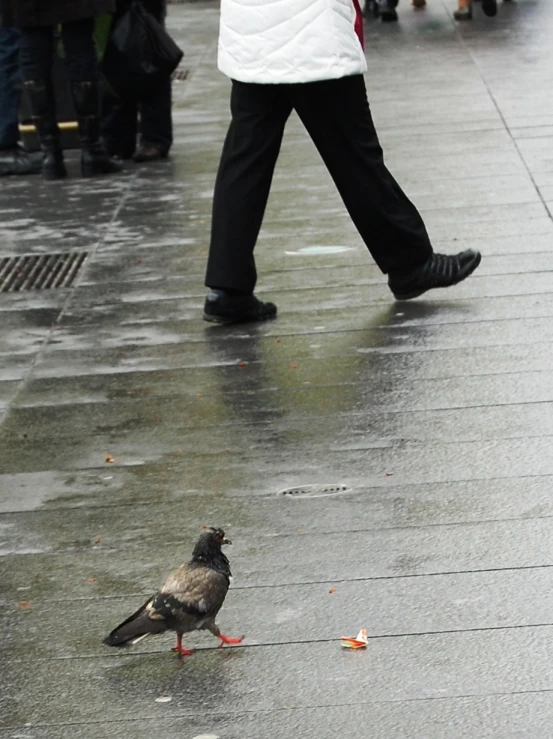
<point>208,549</point>
<point>218,535</point>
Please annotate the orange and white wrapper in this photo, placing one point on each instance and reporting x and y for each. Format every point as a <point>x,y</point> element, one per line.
<point>359,642</point>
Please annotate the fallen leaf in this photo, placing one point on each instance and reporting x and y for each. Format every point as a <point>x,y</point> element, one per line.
<point>242,364</point>
<point>109,459</point>
<point>24,603</point>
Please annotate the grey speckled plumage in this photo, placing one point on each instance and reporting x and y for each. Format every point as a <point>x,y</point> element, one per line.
<point>189,599</point>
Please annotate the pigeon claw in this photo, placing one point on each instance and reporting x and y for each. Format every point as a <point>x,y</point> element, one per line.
<point>182,652</point>
<point>230,640</point>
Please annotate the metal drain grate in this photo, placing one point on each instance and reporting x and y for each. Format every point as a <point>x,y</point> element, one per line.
<point>180,75</point>
<point>314,491</point>
<point>40,271</point>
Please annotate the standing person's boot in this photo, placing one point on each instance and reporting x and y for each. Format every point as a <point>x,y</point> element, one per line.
<point>43,113</point>
<point>489,7</point>
<point>387,10</point>
<point>94,158</point>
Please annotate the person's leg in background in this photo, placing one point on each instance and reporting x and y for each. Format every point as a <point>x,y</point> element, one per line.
<point>337,116</point>
<point>119,126</point>
<point>81,62</point>
<point>13,158</point>
<point>156,125</point>
<point>36,54</point>
<point>250,152</point>
<point>119,123</point>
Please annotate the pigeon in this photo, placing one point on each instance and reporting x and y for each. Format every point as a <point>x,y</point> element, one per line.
<point>190,598</point>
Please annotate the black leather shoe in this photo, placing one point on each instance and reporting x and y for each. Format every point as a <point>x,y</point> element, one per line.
<point>149,153</point>
<point>220,307</point>
<point>489,7</point>
<point>16,160</point>
<point>440,270</point>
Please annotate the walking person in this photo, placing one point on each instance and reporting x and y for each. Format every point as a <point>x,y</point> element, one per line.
<point>120,117</point>
<point>13,157</point>
<point>37,21</point>
<point>280,60</point>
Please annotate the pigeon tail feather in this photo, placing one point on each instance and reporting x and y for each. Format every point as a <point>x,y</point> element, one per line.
<point>136,627</point>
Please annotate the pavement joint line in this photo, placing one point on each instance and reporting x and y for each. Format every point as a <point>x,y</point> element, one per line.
<point>325,583</point>
<point>286,709</point>
<point>207,394</point>
<point>322,532</point>
<point>225,334</point>
<point>277,644</point>
<point>386,486</point>
<point>268,537</point>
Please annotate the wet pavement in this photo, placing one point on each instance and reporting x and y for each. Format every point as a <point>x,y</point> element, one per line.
<point>127,422</point>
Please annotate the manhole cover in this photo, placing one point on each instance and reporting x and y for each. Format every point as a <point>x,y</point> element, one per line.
<point>314,491</point>
<point>40,271</point>
<point>319,250</point>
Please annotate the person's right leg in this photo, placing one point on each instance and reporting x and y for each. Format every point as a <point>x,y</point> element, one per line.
<point>13,158</point>
<point>250,152</point>
<point>156,125</point>
<point>81,62</point>
<point>119,126</point>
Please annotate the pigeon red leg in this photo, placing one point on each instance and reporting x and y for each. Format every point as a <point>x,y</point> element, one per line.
<point>230,639</point>
<point>224,639</point>
<point>179,648</point>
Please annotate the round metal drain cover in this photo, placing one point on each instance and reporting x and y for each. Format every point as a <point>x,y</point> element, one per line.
<point>319,250</point>
<point>314,491</point>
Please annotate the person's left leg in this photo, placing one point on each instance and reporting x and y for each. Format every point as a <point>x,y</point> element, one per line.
<point>337,116</point>
<point>10,87</point>
<point>13,158</point>
<point>156,123</point>
<point>81,62</point>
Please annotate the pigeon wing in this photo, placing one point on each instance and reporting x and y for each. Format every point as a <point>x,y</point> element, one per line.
<point>196,591</point>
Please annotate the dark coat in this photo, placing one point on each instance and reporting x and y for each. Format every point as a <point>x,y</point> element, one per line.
<point>31,13</point>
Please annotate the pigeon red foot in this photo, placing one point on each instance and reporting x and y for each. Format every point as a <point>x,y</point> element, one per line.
<point>180,650</point>
<point>230,639</point>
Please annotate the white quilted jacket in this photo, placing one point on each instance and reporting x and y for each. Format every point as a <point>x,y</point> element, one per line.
<point>289,41</point>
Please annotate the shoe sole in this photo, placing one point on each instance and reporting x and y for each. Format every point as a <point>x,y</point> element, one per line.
<point>463,274</point>
<point>227,321</point>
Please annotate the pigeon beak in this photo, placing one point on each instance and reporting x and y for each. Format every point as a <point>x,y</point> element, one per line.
<point>226,541</point>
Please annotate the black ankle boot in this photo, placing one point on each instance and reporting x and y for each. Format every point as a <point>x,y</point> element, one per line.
<point>40,96</point>
<point>94,158</point>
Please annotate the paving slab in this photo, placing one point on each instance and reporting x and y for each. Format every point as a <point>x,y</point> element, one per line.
<point>126,422</point>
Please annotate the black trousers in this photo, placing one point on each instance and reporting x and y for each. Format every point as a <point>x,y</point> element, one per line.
<point>120,117</point>
<point>37,51</point>
<point>336,115</point>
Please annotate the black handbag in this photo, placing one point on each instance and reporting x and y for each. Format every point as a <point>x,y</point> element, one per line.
<point>140,55</point>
